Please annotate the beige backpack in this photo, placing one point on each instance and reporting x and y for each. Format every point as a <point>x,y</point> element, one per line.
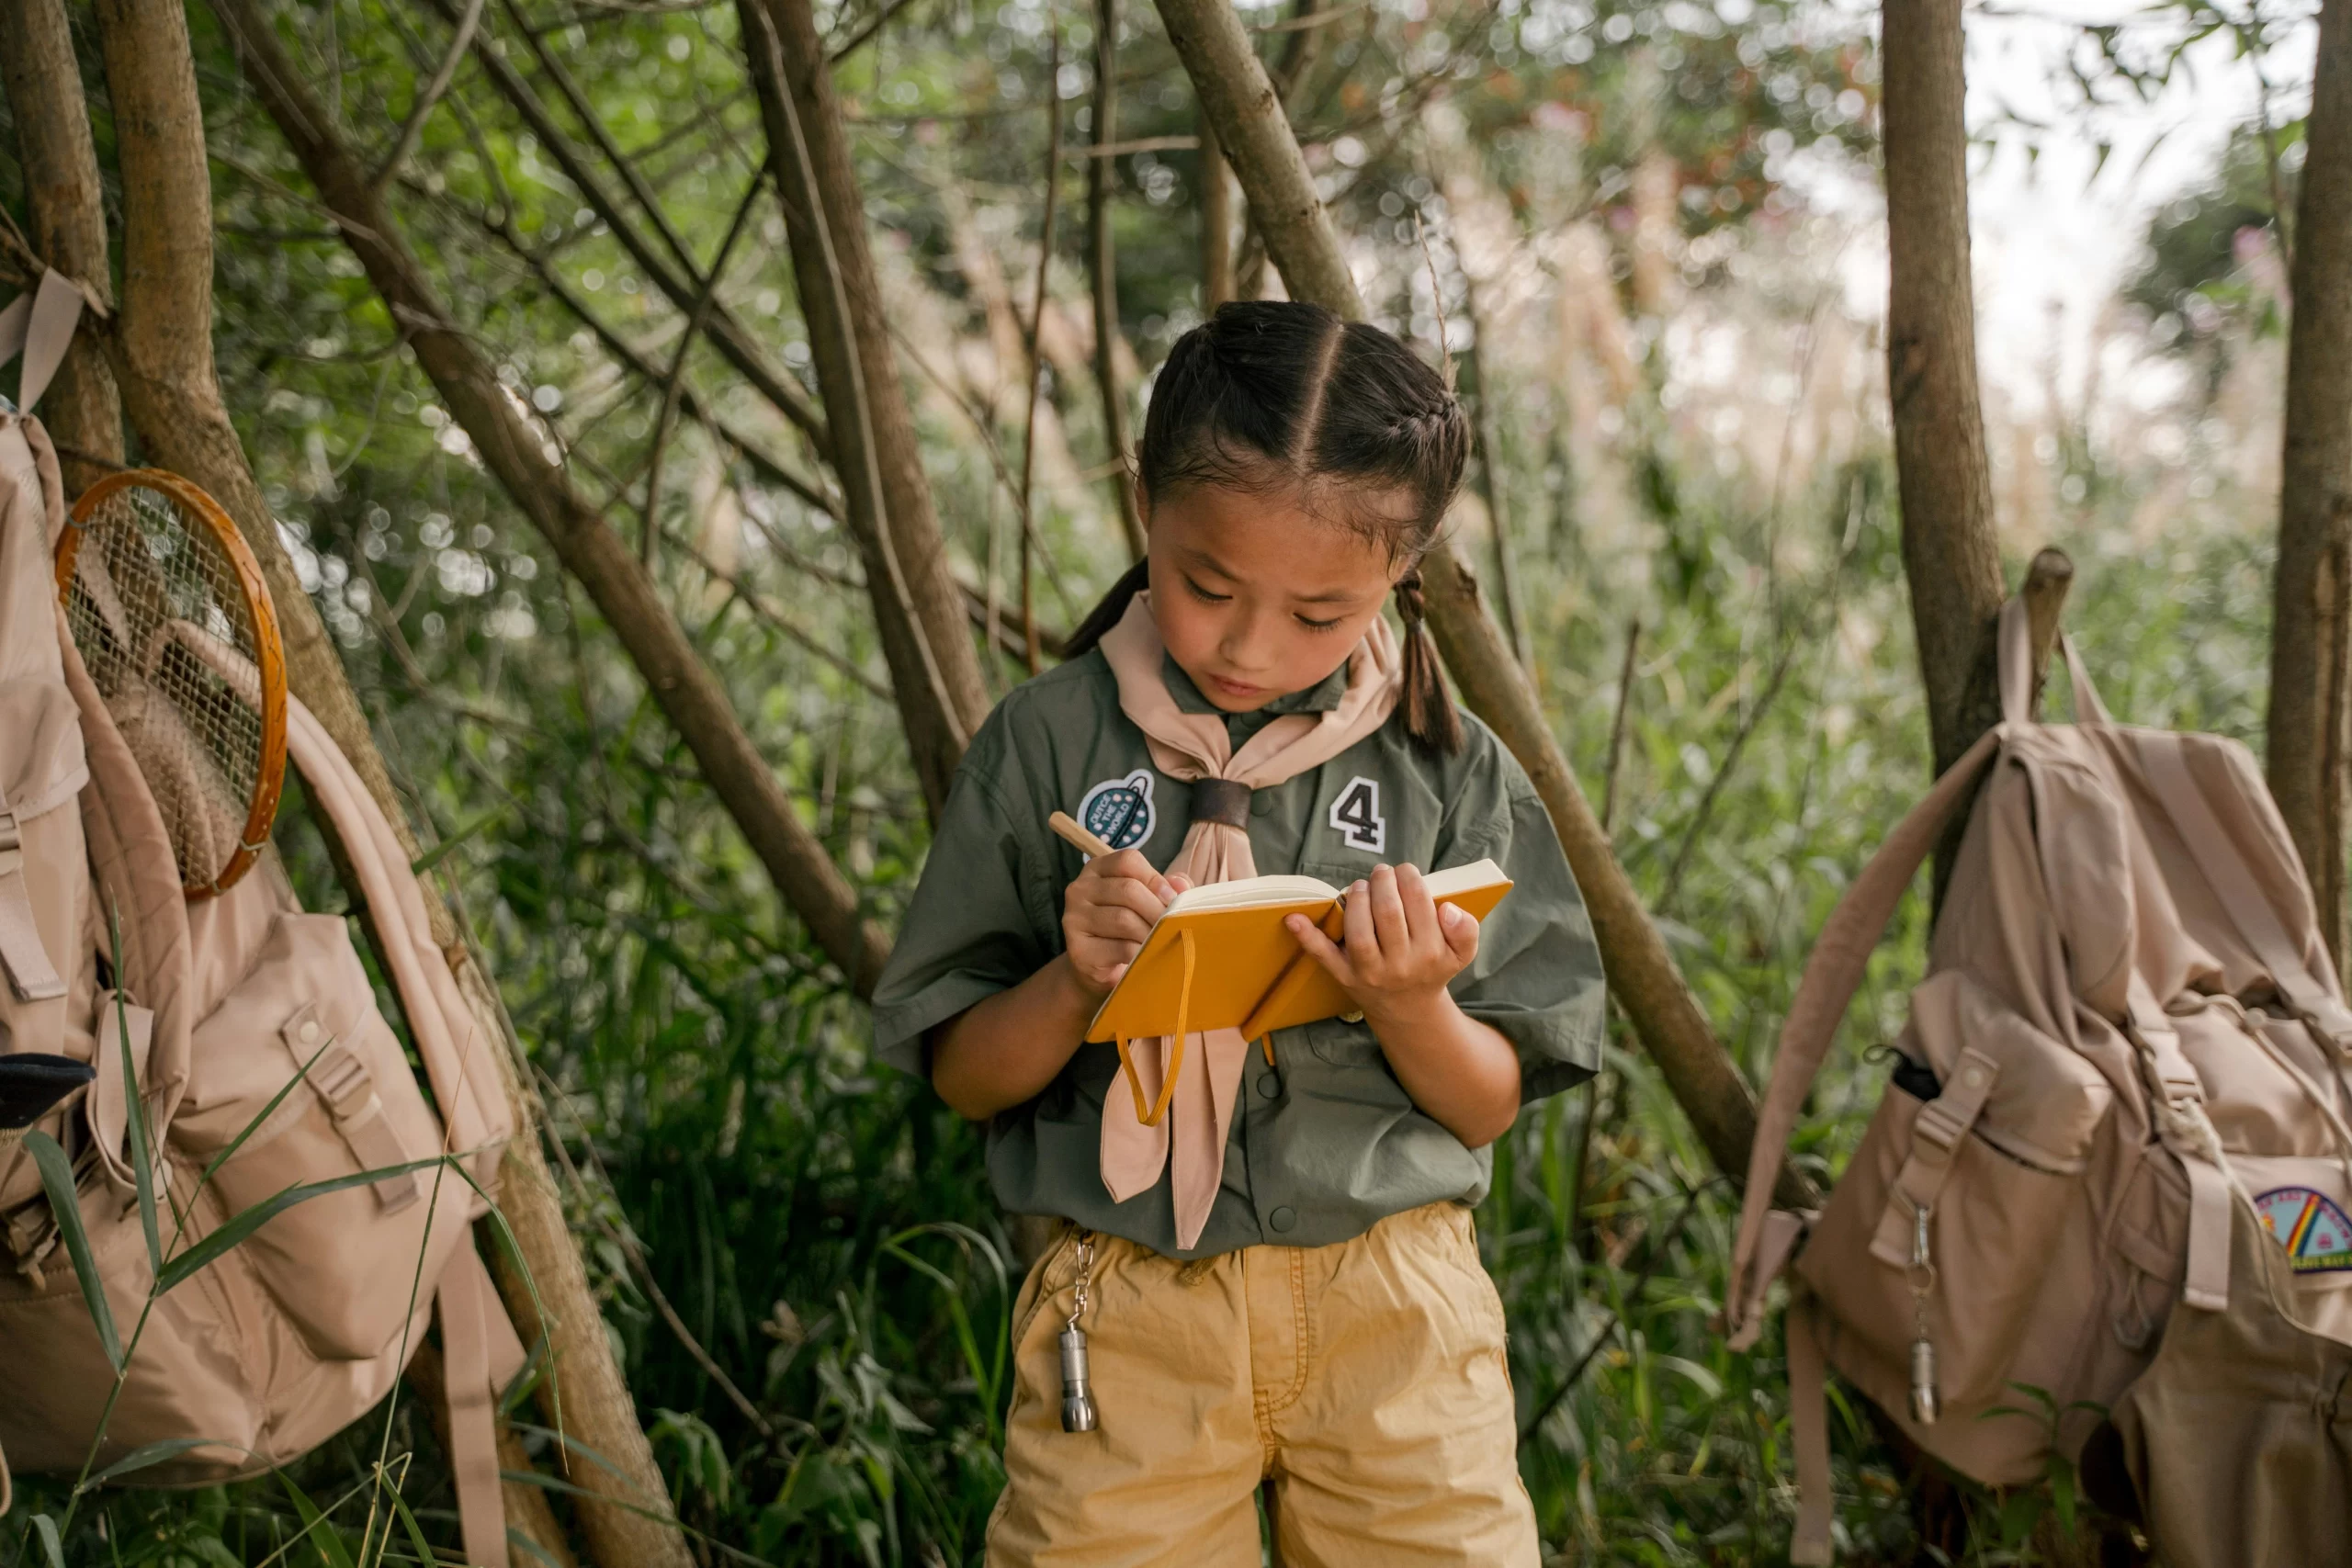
<point>227,1004</point>
<point>2131,1038</point>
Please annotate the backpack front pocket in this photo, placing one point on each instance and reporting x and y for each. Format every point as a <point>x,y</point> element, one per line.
<point>1957,1210</point>
<point>339,1264</point>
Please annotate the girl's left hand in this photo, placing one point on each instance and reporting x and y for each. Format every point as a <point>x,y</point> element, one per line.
<point>1401,946</point>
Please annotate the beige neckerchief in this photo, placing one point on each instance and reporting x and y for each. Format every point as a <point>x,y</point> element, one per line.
<point>1191,1136</point>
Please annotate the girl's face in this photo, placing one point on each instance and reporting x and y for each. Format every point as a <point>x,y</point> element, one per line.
<point>1256,597</point>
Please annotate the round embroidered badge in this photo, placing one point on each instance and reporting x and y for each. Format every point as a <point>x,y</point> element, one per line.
<point>1118,811</point>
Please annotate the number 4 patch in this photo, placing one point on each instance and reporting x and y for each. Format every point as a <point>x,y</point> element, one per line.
<point>1356,813</point>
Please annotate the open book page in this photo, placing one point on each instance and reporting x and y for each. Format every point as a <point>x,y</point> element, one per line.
<point>1221,957</point>
<point>1305,992</point>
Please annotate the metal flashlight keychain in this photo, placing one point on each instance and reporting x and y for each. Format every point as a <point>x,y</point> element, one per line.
<point>1078,1393</point>
<point>1925,1404</point>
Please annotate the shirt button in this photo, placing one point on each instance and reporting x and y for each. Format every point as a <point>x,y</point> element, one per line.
<point>1269,1085</point>
<point>1261,802</point>
<point>1281,1219</point>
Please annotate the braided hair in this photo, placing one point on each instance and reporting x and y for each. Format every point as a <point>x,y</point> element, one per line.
<point>1269,396</point>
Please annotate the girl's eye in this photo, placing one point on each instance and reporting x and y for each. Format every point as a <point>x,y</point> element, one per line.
<point>1315,625</point>
<point>1204,596</point>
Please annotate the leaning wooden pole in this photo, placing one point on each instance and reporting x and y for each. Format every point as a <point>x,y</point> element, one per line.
<point>2310,752</point>
<point>935,664</point>
<point>1239,100</point>
<point>1950,553</point>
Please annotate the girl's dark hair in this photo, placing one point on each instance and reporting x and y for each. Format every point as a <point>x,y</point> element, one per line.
<point>1270,396</point>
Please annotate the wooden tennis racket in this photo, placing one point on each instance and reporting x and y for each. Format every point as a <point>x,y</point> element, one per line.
<point>168,609</point>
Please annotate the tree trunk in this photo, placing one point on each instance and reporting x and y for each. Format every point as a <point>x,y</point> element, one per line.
<point>68,222</point>
<point>1103,270</point>
<point>934,669</point>
<point>1215,199</point>
<point>596,1401</point>
<point>1949,554</point>
<point>152,80</point>
<point>1236,94</point>
<point>2311,646</point>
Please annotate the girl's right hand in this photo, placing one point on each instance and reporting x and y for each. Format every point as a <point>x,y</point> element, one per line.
<point>1106,913</point>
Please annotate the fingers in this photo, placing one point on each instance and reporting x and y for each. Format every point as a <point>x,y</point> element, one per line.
<point>1460,929</point>
<point>1420,910</point>
<point>1126,893</point>
<point>1388,912</point>
<point>1322,949</point>
<point>1127,866</point>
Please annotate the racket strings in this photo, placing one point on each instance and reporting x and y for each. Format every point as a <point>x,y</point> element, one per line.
<point>162,621</point>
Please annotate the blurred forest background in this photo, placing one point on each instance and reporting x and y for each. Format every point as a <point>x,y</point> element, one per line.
<point>1636,228</point>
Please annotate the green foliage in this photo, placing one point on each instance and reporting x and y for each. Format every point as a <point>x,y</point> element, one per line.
<point>819,1226</point>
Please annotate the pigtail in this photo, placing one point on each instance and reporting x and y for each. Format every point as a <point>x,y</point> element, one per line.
<point>1110,612</point>
<point>1429,718</point>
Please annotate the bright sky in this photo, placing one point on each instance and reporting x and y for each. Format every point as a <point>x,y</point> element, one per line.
<point>2046,231</point>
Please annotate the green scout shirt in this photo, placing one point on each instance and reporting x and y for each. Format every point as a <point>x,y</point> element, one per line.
<point>1326,1142</point>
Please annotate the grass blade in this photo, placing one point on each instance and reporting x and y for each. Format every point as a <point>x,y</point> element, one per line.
<point>149,1454</point>
<point>65,1203</point>
<point>242,1224</point>
<point>142,1163</point>
<point>321,1533</point>
<point>263,1114</point>
<point>424,1552</point>
<point>440,851</point>
<point>50,1545</point>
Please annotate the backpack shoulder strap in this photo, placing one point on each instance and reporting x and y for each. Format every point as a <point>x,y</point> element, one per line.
<point>39,325</point>
<point>466,1079</point>
<point>1841,955</point>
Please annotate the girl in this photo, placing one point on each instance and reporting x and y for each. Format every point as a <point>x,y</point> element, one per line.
<point>1279,1280</point>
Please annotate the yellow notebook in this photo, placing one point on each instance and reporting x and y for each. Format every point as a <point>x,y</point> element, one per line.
<point>1220,957</point>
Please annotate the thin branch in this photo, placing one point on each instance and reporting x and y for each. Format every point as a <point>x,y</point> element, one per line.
<point>671,383</point>
<point>413,127</point>
<point>1036,369</point>
<point>1617,725</point>
<point>777,618</point>
<point>625,1239</point>
<point>1748,726</point>
<point>861,409</point>
<point>858,40</point>
<point>690,401</point>
<point>1102,269</point>
<point>726,333</point>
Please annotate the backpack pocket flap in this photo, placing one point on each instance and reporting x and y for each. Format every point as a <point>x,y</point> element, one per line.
<point>345,1086</point>
<point>2042,1103</point>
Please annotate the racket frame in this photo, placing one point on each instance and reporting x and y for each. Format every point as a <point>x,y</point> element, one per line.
<point>269,651</point>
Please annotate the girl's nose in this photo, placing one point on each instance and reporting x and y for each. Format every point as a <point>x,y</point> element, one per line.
<point>1248,643</point>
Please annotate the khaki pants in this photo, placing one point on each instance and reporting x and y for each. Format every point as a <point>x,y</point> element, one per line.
<point>1365,1380</point>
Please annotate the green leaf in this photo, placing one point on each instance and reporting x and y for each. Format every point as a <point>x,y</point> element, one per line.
<point>440,851</point>
<point>263,1114</point>
<point>46,1528</point>
<point>64,1202</point>
<point>142,1163</point>
<point>315,1527</point>
<point>424,1552</point>
<point>233,1232</point>
<point>150,1454</point>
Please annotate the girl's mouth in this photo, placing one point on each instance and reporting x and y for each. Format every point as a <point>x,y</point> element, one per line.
<point>1238,690</point>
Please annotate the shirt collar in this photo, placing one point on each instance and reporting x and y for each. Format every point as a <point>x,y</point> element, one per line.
<point>1321,697</point>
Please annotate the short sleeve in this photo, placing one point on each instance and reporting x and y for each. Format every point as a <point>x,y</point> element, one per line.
<point>1537,978</point>
<point>973,929</point>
